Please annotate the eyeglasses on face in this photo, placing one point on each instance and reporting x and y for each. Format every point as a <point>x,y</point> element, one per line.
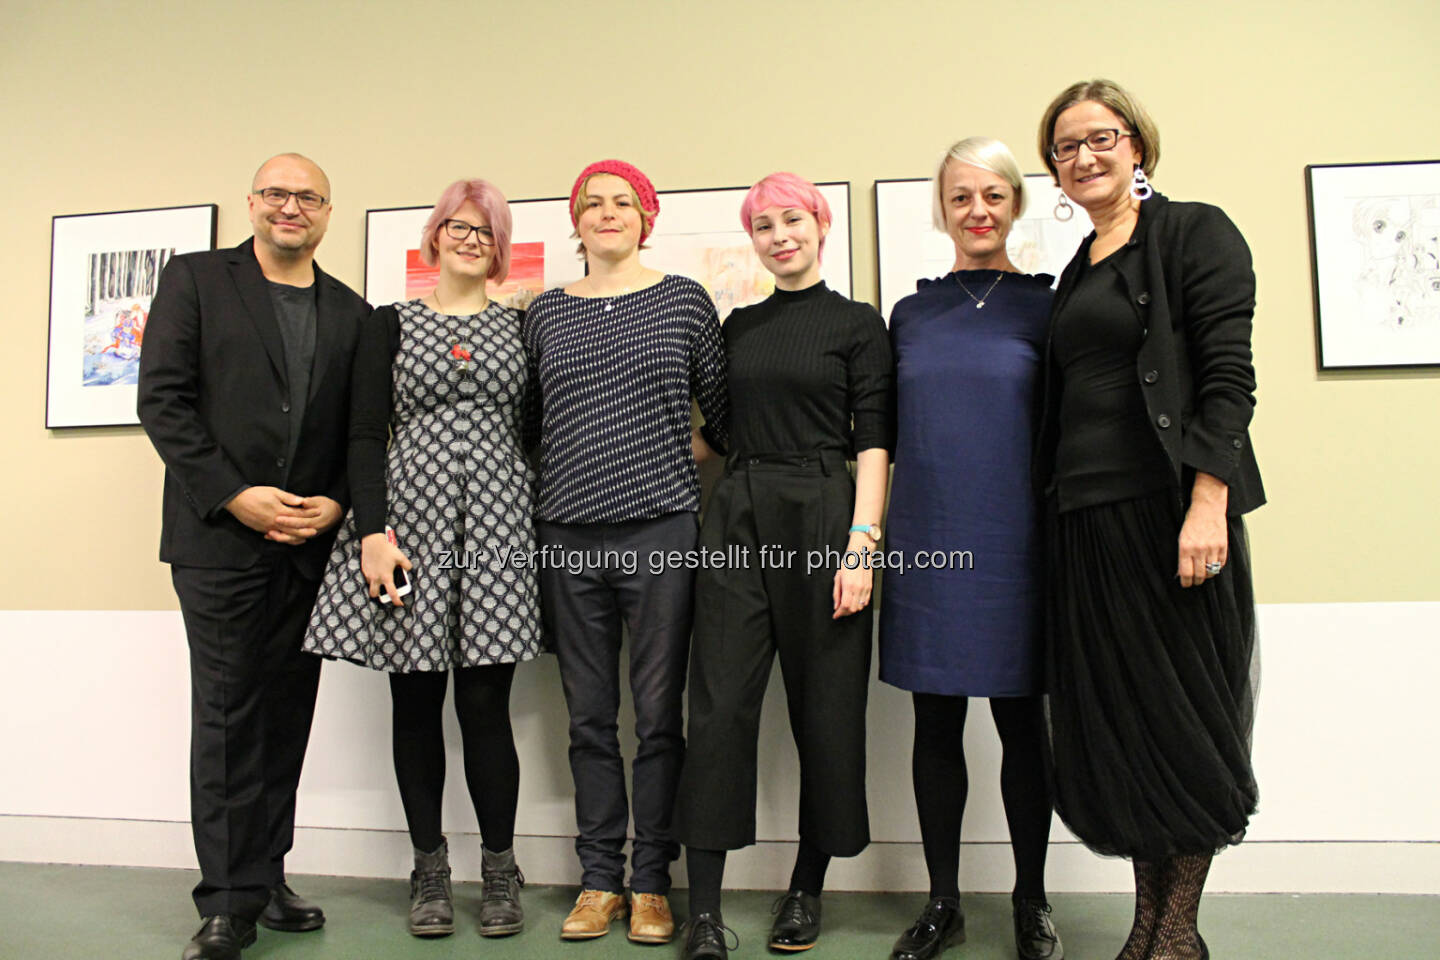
<point>460,230</point>
<point>1099,142</point>
<point>279,196</point>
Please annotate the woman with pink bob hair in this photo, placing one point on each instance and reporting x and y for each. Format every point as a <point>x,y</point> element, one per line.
<point>811,386</point>
<point>443,379</point>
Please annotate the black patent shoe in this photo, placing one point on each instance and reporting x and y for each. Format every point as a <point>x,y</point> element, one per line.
<point>220,937</point>
<point>705,938</point>
<point>1035,936</point>
<point>940,924</point>
<point>797,922</point>
<point>290,912</point>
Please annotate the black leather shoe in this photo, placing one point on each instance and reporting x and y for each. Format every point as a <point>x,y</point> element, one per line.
<point>1035,936</point>
<point>705,938</point>
<point>290,912</point>
<point>797,922</point>
<point>940,924</point>
<point>220,937</point>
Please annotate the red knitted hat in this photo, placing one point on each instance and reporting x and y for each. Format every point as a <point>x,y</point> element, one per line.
<point>640,183</point>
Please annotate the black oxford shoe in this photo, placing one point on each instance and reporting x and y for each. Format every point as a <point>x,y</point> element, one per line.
<point>290,912</point>
<point>1035,936</point>
<point>220,937</point>
<point>705,938</point>
<point>797,922</point>
<point>940,924</point>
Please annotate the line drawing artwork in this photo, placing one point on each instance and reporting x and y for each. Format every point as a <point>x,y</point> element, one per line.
<point>1397,260</point>
<point>1375,263</point>
<point>119,287</point>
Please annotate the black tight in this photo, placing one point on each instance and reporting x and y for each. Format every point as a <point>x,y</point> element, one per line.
<point>492,768</point>
<point>941,786</point>
<point>706,869</point>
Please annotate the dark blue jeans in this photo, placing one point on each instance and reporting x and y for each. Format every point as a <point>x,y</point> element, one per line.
<point>598,577</point>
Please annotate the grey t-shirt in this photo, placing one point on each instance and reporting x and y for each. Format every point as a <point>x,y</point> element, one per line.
<point>295,311</point>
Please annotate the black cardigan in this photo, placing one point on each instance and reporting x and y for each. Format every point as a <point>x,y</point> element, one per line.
<point>1187,273</point>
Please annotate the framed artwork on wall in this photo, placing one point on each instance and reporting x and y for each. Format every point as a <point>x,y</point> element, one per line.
<point>909,248</point>
<point>1375,263</point>
<point>699,235</point>
<point>542,254</point>
<point>104,268</point>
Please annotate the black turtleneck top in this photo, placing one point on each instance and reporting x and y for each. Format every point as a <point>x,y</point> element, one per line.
<point>809,370</point>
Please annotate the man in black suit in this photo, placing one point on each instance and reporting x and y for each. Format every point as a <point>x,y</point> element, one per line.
<point>245,391</point>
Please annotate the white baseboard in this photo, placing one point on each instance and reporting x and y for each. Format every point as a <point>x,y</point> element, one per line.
<point>1261,867</point>
<point>94,723</point>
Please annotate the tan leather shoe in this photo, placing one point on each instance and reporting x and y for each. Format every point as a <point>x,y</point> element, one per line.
<point>592,914</point>
<point>650,918</point>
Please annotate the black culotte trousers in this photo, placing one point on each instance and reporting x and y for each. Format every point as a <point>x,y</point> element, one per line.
<point>744,615</point>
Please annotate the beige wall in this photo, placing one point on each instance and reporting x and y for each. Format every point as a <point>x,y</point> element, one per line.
<point>119,106</point>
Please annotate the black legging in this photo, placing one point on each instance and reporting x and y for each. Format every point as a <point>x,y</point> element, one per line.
<point>492,768</point>
<point>941,786</point>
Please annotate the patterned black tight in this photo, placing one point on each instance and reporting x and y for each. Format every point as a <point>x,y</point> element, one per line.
<point>1167,907</point>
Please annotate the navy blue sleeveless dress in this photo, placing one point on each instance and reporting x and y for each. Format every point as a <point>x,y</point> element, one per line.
<point>964,618</point>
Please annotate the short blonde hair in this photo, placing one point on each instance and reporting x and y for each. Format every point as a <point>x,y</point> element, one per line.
<point>647,217</point>
<point>1119,101</point>
<point>987,153</point>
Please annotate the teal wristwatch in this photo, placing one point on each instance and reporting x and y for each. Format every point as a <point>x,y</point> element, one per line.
<point>871,530</point>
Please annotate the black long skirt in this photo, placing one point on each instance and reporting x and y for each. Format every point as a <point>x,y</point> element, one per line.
<point>1152,685</point>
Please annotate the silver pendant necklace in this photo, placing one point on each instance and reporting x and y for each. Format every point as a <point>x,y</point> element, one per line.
<point>609,298</point>
<point>980,301</point>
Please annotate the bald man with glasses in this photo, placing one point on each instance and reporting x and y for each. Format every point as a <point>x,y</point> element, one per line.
<point>244,391</point>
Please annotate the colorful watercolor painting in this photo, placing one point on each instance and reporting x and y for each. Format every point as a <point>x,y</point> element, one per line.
<point>119,288</point>
<point>526,279</point>
<point>395,272</point>
<point>698,235</point>
<point>527,274</point>
<point>104,271</point>
<point>420,277</point>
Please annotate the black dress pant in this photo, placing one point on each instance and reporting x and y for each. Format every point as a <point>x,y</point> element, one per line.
<point>743,616</point>
<point>252,701</point>
<point>598,575</point>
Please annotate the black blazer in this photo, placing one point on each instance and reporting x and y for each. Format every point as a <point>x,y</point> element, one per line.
<point>1187,271</point>
<point>214,399</point>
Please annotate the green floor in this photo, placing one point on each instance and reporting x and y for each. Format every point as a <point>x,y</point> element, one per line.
<point>121,913</point>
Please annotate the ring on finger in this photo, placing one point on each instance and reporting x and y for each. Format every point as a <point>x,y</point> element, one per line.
<point>1213,567</point>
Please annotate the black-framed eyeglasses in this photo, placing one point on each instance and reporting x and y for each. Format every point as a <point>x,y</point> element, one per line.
<point>460,230</point>
<point>279,196</point>
<point>1099,142</point>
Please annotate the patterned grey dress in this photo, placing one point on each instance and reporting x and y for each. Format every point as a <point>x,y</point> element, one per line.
<point>459,498</point>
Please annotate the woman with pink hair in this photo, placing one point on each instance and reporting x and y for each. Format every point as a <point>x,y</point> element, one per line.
<point>444,379</point>
<point>811,385</point>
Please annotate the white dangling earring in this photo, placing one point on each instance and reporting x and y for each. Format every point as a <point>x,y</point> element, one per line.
<point>1062,206</point>
<point>1140,186</point>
